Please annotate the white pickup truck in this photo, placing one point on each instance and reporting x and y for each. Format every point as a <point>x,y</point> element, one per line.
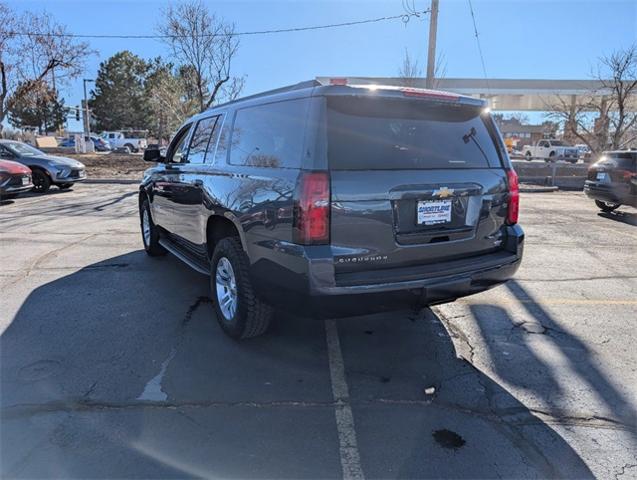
<point>132,141</point>
<point>551,150</point>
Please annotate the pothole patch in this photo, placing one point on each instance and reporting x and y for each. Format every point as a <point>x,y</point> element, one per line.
<point>448,439</point>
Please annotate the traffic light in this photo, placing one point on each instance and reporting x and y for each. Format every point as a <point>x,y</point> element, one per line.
<point>77,113</point>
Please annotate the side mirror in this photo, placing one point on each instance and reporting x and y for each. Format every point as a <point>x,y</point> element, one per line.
<point>153,155</point>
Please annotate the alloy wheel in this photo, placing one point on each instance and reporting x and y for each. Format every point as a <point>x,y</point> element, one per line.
<point>226,288</point>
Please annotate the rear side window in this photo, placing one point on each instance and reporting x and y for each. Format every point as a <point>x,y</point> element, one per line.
<point>624,161</point>
<point>396,134</point>
<point>201,139</point>
<point>270,135</point>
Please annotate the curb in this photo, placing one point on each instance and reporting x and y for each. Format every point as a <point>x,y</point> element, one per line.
<point>121,181</point>
<point>538,189</point>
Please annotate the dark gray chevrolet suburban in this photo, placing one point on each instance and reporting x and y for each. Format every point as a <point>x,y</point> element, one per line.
<point>334,200</point>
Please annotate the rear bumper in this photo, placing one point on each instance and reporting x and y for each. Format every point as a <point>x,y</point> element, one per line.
<point>614,193</point>
<point>315,289</point>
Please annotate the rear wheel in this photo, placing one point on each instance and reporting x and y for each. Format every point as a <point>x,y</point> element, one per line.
<point>130,148</point>
<point>150,234</point>
<point>239,312</point>
<point>607,206</point>
<point>41,181</point>
<point>528,156</point>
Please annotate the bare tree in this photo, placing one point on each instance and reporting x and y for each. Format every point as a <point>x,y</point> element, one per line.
<point>7,27</point>
<point>35,48</point>
<point>604,117</point>
<point>621,68</point>
<point>207,44</point>
<point>410,71</point>
<point>171,97</point>
<point>48,50</point>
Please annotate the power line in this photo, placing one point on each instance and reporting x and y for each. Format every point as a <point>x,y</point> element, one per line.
<point>405,17</point>
<point>475,30</point>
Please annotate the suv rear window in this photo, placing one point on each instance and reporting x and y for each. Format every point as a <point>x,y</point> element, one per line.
<point>623,160</point>
<point>270,135</point>
<point>396,134</point>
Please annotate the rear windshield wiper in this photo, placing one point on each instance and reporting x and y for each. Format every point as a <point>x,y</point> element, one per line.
<point>471,135</point>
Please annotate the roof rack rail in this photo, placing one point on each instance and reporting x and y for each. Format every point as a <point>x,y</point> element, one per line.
<point>289,88</point>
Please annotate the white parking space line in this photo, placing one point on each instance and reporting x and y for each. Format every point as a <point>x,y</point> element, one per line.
<point>348,445</point>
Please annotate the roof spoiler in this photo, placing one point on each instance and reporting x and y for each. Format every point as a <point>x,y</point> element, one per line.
<point>424,93</point>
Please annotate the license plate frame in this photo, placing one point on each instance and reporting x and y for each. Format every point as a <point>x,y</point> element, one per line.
<point>601,176</point>
<point>433,212</point>
<point>25,181</point>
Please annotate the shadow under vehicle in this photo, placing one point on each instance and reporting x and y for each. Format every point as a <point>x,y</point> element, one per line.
<point>140,382</point>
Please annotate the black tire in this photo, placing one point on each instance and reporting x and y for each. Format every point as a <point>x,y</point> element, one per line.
<point>151,244</point>
<point>64,186</point>
<point>130,147</point>
<point>528,156</point>
<point>607,206</point>
<point>41,181</point>
<point>252,316</point>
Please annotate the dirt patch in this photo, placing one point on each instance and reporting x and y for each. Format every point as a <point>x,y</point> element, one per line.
<point>107,165</point>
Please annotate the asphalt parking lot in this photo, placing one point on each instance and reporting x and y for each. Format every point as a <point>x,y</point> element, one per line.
<point>112,364</point>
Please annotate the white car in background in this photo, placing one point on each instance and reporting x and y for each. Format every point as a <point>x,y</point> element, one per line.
<point>584,151</point>
<point>130,141</point>
<point>550,150</point>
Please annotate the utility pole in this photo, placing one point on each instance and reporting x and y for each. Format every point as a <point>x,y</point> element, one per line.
<point>86,115</point>
<point>431,54</point>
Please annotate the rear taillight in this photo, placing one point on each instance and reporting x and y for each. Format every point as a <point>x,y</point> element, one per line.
<point>513,209</point>
<point>312,212</point>
<point>626,175</point>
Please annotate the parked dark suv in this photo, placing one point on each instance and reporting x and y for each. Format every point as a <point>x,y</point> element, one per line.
<point>612,180</point>
<point>335,200</point>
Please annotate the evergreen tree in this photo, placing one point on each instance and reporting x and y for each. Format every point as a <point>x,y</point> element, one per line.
<point>118,100</point>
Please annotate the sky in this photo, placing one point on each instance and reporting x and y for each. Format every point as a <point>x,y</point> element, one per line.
<point>519,39</point>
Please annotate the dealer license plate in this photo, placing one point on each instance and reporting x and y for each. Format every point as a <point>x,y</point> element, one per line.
<point>433,212</point>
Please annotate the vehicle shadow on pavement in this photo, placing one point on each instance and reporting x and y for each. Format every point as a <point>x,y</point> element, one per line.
<point>421,411</point>
<point>523,368</point>
<point>119,369</point>
<point>620,216</point>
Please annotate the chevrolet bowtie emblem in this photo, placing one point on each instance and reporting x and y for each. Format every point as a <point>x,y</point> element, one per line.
<point>443,192</point>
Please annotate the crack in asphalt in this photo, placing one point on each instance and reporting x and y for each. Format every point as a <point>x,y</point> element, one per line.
<point>526,416</point>
<point>456,333</point>
<point>528,449</point>
<point>624,468</point>
<point>41,258</point>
